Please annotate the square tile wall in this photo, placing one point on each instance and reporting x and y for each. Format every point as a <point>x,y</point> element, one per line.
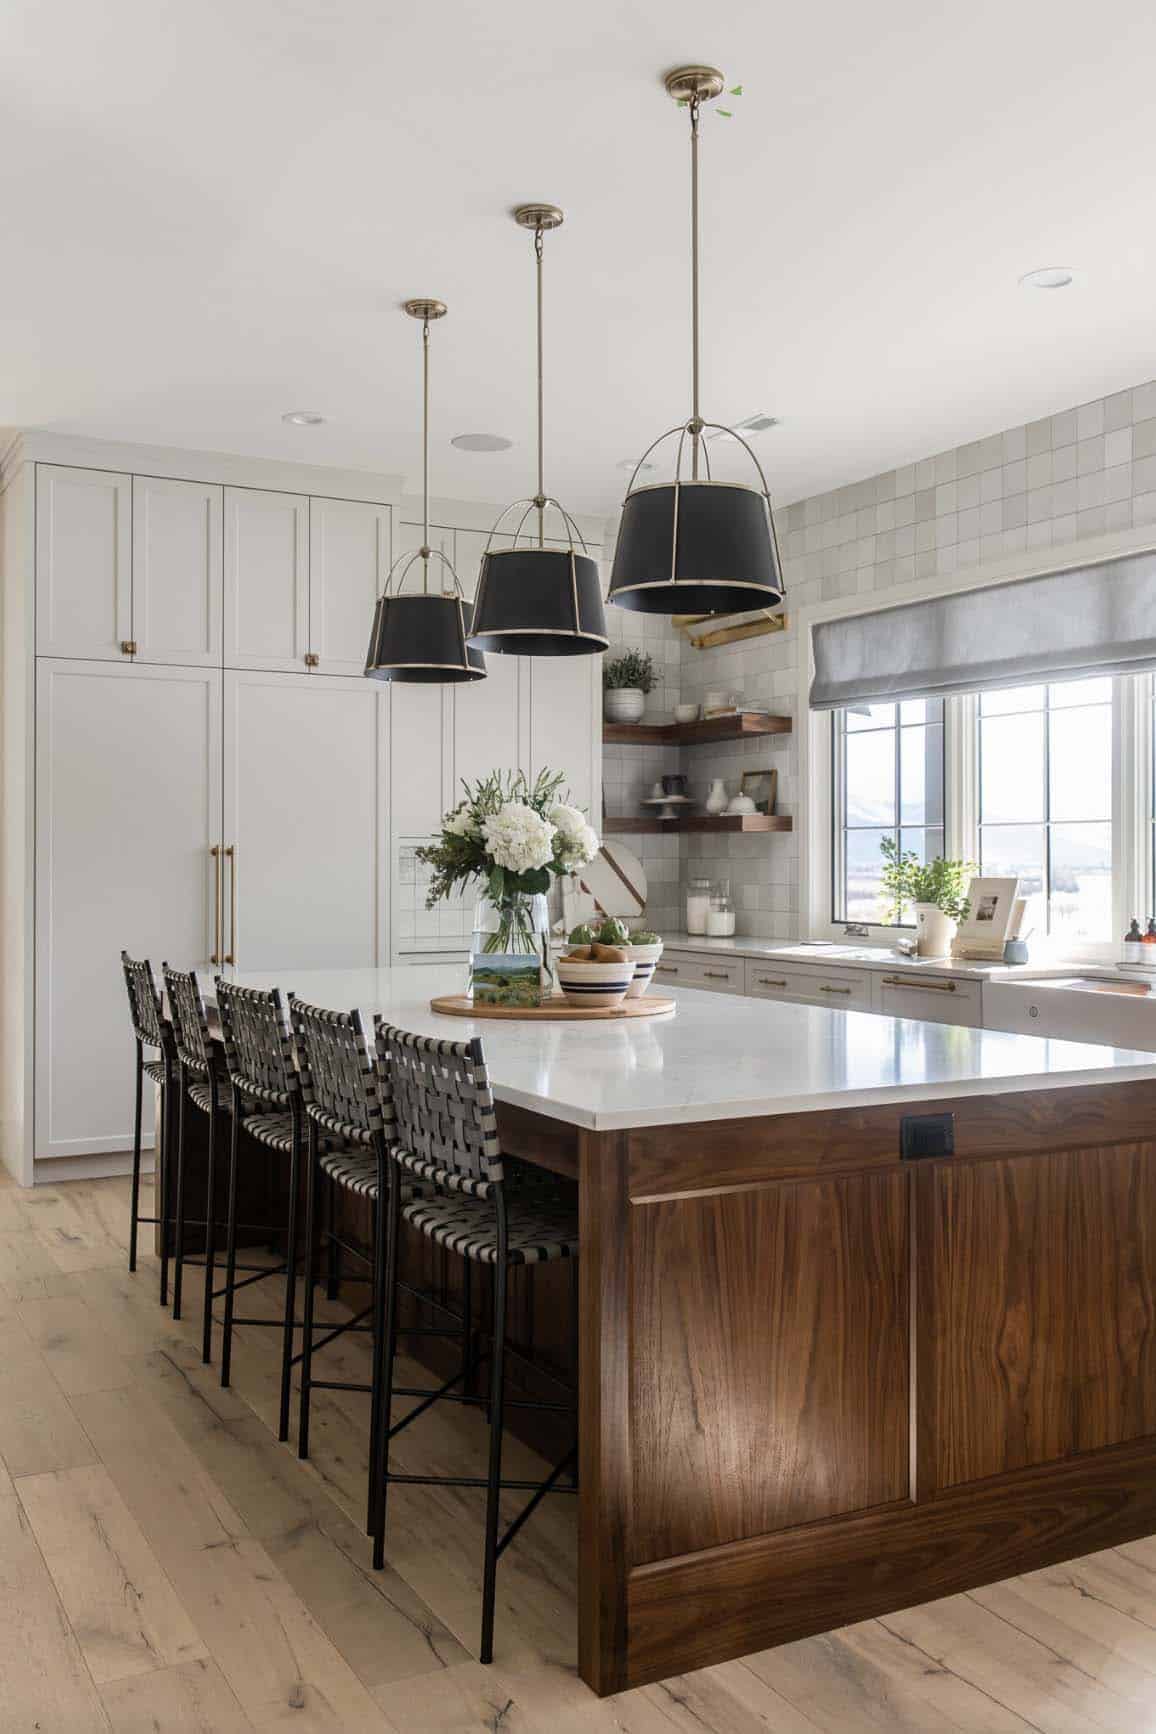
<point>1080,473</point>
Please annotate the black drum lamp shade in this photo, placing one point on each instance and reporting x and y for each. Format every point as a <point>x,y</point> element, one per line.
<point>422,637</point>
<point>695,548</point>
<point>534,600</point>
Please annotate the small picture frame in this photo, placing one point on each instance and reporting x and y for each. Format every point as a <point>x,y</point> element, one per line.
<point>985,928</point>
<point>763,789</point>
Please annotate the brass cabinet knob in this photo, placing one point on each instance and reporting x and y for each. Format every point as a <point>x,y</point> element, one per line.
<point>311,659</point>
<point>128,646</point>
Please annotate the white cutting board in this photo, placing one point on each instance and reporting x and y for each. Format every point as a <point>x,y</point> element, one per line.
<point>614,882</point>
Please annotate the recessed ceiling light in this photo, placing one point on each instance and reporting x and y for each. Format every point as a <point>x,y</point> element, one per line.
<point>1048,277</point>
<point>481,442</point>
<point>304,417</point>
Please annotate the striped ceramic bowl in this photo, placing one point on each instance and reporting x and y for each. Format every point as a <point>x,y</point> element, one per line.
<point>644,959</point>
<point>596,985</point>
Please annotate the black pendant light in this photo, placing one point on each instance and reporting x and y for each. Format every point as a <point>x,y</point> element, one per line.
<point>533,600</point>
<point>696,545</point>
<point>421,635</point>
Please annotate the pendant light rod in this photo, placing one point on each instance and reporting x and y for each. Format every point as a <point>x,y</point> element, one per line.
<point>692,86</point>
<point>539,218</point>
<point>424,309</point>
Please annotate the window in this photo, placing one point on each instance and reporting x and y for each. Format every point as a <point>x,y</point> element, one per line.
<point>1045,801</point>
<point>1053,783</point>
<point>889,778</point>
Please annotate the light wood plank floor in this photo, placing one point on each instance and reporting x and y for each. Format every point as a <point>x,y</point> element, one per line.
<point>166,1565</point>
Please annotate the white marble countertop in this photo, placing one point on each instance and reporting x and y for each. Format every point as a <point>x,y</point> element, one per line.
<point>719,1057</point>
<point>835,954</point>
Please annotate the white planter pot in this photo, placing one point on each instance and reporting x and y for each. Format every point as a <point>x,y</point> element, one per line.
<point>623,704</point>
<point>934,931</point>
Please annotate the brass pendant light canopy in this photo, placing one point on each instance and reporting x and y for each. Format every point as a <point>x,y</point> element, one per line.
<point>696,545</point>
<point>421,635</point>
<point>533,600</point>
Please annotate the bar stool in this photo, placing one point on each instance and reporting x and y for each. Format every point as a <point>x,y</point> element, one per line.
<point>344,1107</point>
<point>262,1076</point>
<point>202,1081</point>
<point>446,1136</point>
<point>151,1029</point>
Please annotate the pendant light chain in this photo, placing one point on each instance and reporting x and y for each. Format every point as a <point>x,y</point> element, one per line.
<point>540,502</point>
<point>695,418</point>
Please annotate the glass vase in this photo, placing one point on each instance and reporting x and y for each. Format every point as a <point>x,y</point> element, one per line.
<point>510,951</point>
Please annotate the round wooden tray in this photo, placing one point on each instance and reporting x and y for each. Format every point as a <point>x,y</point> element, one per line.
<point>457,1005</point>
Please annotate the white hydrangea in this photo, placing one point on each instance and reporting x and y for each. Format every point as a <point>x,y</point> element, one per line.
<point>461,822</point>
<point>577,841</point>
<point>517,838</point>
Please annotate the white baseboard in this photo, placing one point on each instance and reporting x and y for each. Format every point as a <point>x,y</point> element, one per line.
<point>47,1171</point>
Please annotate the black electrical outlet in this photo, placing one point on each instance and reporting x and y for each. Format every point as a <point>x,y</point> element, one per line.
<point>926,1135</point>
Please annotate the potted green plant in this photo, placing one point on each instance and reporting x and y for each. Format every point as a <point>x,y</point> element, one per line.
<point>626,680</point>
<point>935,890</point>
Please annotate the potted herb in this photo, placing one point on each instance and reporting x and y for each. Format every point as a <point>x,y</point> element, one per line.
<point>626,680</point>
<point>936,891</point>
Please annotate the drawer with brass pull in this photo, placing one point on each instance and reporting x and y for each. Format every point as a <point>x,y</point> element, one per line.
<point>846,989</point>
<point>937,999</point>
<point>691,969</point>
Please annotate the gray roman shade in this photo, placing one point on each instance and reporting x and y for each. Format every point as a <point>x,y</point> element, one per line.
<point>1095,619</point>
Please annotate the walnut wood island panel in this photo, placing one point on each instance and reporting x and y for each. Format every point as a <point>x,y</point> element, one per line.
<point>825,1374</point>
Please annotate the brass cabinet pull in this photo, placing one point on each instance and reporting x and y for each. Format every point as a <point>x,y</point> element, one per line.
<point>927,986</point>
<point>311,659</point>
<point>231,954</point>
<point>826,989</point>
<point>128,646</point>
<point>667,968</point>
<point>218,869</point>
<point>717,974</point>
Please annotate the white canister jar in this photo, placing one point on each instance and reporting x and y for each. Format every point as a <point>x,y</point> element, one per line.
<point>697,904</point>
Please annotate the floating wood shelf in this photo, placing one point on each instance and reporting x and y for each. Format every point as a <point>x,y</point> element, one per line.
<point>703,822</point>
<point>743,725</point>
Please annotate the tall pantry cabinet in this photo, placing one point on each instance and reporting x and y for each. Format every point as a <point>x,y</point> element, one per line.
<point>194,767</point>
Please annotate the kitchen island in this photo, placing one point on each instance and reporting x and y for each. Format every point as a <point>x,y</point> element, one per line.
<point>867,1305</point>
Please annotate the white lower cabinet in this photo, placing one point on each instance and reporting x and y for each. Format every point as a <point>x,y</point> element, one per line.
<point>306,804</point>
<point>128,805</point>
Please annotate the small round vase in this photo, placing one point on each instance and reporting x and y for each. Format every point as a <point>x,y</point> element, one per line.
<point>934,931</point>
<point>623,704</point>
<point>716,800</point>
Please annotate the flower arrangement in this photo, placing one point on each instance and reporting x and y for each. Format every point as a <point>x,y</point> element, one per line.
<point>512,837</point>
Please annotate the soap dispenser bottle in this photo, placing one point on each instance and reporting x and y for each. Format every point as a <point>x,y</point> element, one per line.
<point>1134,944</point>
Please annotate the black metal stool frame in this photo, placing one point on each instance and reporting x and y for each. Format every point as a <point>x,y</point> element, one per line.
<point>467,1160</point>
<point>151,1029</point>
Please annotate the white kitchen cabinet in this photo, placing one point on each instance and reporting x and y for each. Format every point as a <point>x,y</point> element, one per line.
<point>83,563</point>
<point>306,803</point>
<point>128,787</point>
<point>935,999</point>
<point>176,571</point>
<point>349,559</point>
<point>486,721</point>
<point>267,580</point>
<point>565,725</point>
<point>421,754</point>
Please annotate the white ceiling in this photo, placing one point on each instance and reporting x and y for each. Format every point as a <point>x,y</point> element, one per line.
<point>212,208</point>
